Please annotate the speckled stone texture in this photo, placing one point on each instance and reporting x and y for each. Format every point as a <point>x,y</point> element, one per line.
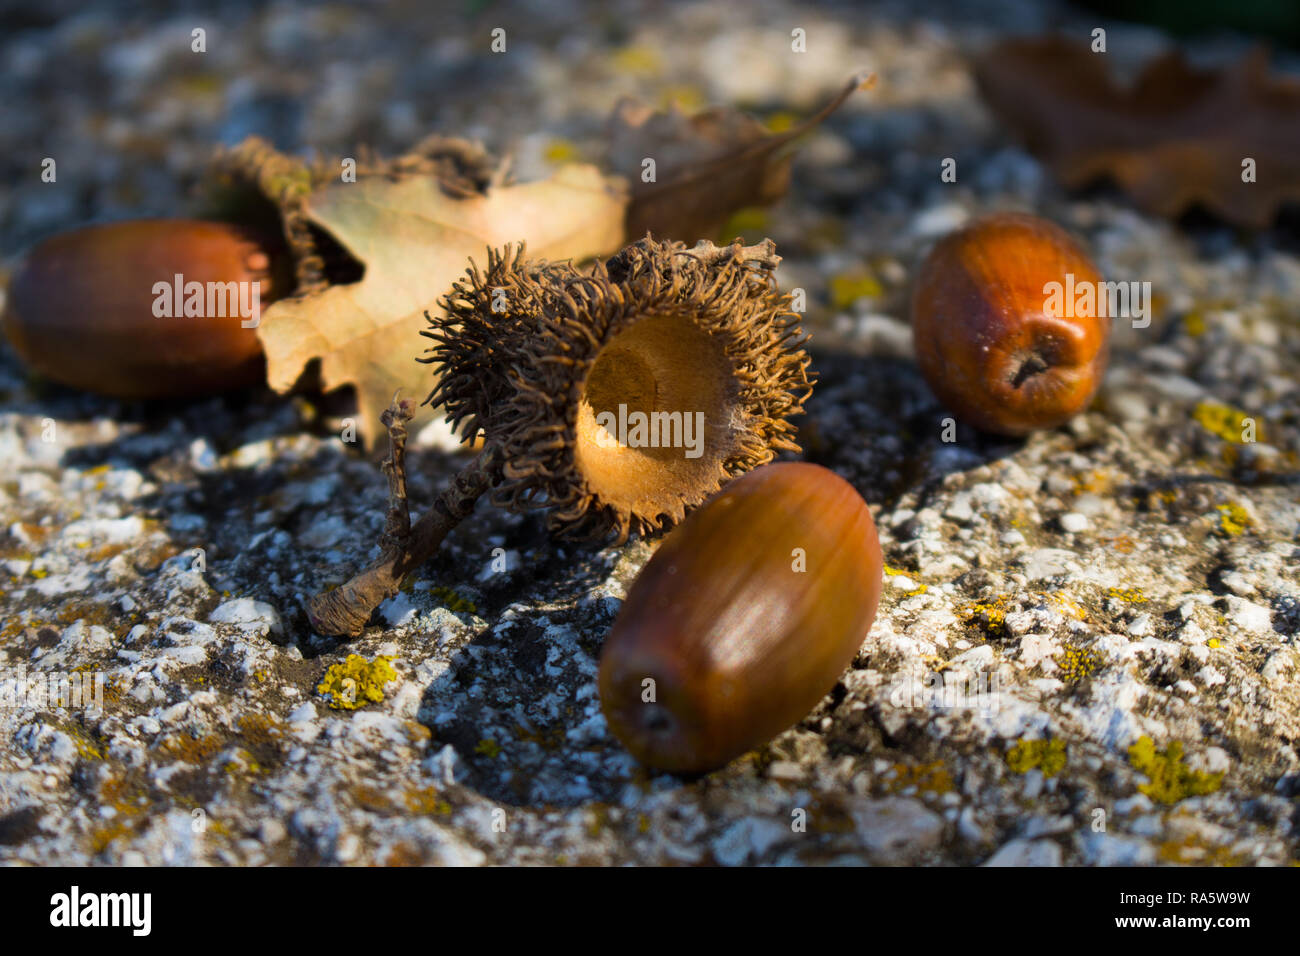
<point>1048,604</point>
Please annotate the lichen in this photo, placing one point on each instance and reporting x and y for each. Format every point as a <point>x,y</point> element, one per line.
<point>1225,421</point>
<point>1045,755</point>
<point>1077,663</point>
<point>1170,779</point>
<point>1233,519</point>
<point>993,616</point>
<point>926,778</point>
<point>426,802</point>
<point>453,602</point>
<point>849,288</point>
<point>356,682</point>
<point>190,749</point>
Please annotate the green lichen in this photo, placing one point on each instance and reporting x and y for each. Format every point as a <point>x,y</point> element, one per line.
<point>1045,755</point>
<point>356,682</point>
<point>453,601</point>
<point>1171,780</point>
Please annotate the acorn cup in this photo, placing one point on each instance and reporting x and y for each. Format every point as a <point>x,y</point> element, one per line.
<point>743,620</point>
<point>100,308</point>
<point>542,358</point>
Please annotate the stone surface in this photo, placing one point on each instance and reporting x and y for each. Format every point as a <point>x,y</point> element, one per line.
<point>1130,574</point>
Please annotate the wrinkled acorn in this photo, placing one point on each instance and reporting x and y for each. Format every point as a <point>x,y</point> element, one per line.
<point>743,620</point>
<point>998,349</point>
<point>82,307</point>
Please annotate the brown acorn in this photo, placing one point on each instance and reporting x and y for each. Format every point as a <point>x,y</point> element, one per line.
<point>82,307</point>
<point>991,341</point>
<point>743,620</point>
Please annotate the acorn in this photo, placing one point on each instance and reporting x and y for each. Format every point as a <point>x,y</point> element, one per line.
<point>102,308</point>
<point>743,620</point>
<point>997,346</point>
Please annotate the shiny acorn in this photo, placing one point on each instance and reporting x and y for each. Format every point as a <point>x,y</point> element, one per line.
<point>101,308</point>
<point>743,620</point>
<point>1001,335</point>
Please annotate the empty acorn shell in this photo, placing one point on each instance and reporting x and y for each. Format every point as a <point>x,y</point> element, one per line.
<point>743,620</point>
<point>81,307</point>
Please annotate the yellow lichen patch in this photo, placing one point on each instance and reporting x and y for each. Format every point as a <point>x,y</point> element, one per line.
<point>849,288</point>
<point>1194,324</point>
<point>487,747</point>
<point>453,602</point>
<point>371,798</point>
<point>1076,663</point>
<point>597,820</point>
<point>1127,595</point>
<point>936,663</point>
<point>684,96</point>
<point>1230,424</point>
<point>781,121</point>
<point>639,58</point>
<point>1195,851</point>
<point>104,551</point>
<point>426,802</point>
<point>561,151</point>
<point>1067,606</point>
<point>1123,543</point>
<point>1170,779</point>
<point>190,749</point>
<point>1045,755</point>
<point>87,746</point>
<point>260,731</point>
<point>993,617</point>
<point>356,682</point>
<point>1099,481</point>
<point>1165,496</point>
<point>128,802</point>
<point>926,777</point>
<point>897,572</point>
<point>1234,519</point>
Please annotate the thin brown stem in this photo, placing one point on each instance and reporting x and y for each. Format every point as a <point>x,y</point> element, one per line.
<point>403,546</point>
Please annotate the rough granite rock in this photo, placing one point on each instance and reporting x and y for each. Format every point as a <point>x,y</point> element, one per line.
<point>1051,602</point>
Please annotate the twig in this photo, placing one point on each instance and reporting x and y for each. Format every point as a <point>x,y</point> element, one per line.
<point>403,546</point>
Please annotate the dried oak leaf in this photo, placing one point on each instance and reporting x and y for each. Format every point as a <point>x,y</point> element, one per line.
<point>706,166</point>
<point>1178,137</point>
<point>414,236</point>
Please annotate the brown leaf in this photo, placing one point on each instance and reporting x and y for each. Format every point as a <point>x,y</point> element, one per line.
<point>1177,138</point>
<point>415,239</point>
<point>707,166</point>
